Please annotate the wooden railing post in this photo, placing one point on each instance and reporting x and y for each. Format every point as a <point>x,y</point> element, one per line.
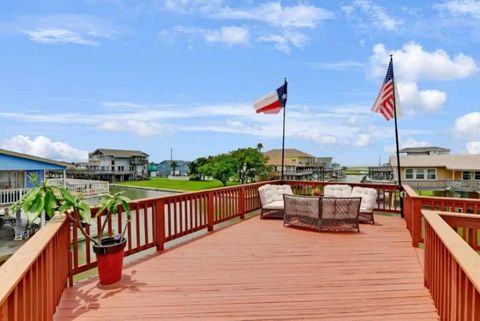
<point>241,202</point>
<point>159,215</point>
<point>210,211</point>
<point>416,220</point>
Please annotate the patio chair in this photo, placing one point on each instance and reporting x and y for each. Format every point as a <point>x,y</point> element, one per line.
<point>271,197</point>
<point>337,191</point>
<point>369,200</point>
<point>301,211</point>
<point>339,213</point>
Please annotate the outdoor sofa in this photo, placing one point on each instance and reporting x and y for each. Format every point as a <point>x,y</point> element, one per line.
<point>368,196</point>
<point>322,213</point>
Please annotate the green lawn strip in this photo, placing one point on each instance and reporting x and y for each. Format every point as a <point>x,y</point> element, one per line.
<point>165,183</point>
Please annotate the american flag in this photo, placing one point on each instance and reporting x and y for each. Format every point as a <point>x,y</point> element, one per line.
<point>387,100</point>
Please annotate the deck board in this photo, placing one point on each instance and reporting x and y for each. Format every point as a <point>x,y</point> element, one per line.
<point>259,270</point>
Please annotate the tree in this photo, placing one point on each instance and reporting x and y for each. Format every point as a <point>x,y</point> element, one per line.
<point>259,147</point>
<point>193,168</point>
<point>249,163</point>
<point>221,167</point>
<point>173,166</point>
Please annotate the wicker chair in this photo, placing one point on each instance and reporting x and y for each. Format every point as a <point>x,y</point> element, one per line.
<point>369,201</point>
<point>339,213</point>
<point>271,197</point>
<point>301,211</point>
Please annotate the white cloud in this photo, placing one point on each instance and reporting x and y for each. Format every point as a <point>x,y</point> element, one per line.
<point>230,35</point>
<point>413,63</point>
<point>138,127</point>
<point>273,13</point>
<point>473,147</point>
<point>338,65</point>
<point>410,142</point>
<point>44,147</point>
<point>414,99</point>
<point>284,42</point>
<point>64,29</point>
<point>377,15</point>
<point>58,36</point>
<point>191,6</point>
<point>363,139</point>
<point>468,125</point>
<point>461,7</point>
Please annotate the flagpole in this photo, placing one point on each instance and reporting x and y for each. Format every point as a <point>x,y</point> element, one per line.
<point>283,135</point>
<point>396,139</point>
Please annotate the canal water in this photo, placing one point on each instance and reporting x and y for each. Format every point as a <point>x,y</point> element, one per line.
<point>133,193</point>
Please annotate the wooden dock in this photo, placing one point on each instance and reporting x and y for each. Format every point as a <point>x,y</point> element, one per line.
<point>260,270</point>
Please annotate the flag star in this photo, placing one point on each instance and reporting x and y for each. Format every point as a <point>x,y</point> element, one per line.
<point>284,96</point>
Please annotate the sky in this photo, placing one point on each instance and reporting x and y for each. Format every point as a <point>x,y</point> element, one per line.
<point>184,74</point>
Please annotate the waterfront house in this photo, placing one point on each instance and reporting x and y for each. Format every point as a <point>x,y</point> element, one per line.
<point>298,165</point>
<point>113,165</point>
<point>165,168</point>
<point>439,172</point>
<point>15,169</point>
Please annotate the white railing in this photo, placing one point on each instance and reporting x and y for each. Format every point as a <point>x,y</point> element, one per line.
<point>10,196</point>
<point>85,186</point>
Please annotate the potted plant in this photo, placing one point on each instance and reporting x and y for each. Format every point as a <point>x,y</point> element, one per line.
<point>46,199</point>
<point>110,250</point>
<point>316,192</point>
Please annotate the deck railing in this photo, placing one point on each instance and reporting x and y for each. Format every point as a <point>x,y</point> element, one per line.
<point>58,251</point>
<point>33,280</point>
<point>10,196</point>
<point>452,265</point>
<point>414,203</point>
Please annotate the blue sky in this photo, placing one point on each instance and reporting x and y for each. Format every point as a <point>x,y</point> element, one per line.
<point>151,75</point>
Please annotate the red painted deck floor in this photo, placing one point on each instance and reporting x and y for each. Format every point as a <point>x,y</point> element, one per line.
<point>259,270</point>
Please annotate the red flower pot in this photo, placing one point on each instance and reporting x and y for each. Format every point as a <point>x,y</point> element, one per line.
<point>110,259</point>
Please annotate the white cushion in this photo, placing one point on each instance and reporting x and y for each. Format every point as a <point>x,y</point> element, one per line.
<point>369,198</point>
<point>337,191</point>
<point>276,205</point>
<point>273,193</point>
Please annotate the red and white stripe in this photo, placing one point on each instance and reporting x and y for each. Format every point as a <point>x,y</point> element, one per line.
<point>384,104</point>
<point>269,104</point>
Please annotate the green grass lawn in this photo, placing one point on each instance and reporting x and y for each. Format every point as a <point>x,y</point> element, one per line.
<point>165,183</point>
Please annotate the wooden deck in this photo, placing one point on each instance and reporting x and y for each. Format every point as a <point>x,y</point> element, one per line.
<point>259,270</point>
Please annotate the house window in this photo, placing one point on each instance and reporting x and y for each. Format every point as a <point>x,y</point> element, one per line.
<point>466,175</point>
<point>431,173</point>
<point>420,173</point>
<point>477,175</point>
<point>409,173</point>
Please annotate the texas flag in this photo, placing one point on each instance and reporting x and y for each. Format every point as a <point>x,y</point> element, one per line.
<point>273,102</point>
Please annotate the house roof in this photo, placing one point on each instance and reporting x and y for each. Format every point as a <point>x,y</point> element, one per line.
<point>275,157</point>
<point>451,162</point>
<point>120,153</point>
<point>424,149</point>
<point>289,152</point>
<point>33,158</point>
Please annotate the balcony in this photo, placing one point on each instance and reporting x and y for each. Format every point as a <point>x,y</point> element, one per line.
<point>206,268</point>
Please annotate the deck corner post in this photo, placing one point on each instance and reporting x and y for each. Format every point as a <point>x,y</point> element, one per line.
<point>416,214</point>
<point>210,211</point>
<point>241,202</point>
<point>159,214</point>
